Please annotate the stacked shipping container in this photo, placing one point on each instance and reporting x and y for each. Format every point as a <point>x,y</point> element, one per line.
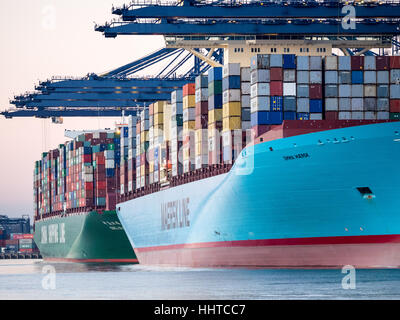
<point>79,174</point>
<point>193,94</point>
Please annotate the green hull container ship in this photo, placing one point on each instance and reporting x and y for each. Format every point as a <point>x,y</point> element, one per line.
<point>84,237</point>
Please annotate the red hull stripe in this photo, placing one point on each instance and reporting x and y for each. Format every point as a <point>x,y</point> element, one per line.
<point>391,238</point>
<point>92,260</point>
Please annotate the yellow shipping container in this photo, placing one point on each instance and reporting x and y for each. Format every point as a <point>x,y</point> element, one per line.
<point>144,136</point>
<point>158,119</point>
<point>159,106</point>
<point>231,123</point>
<point>214,116</point>
<point>201,148</point>
<point>151,166</point>
<point>189,102</point>
<point>189,125</point>
<point>232,109</point>
<point>201,135</point>
<point>167,122</point>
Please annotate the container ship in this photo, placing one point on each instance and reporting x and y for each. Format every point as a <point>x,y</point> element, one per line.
<point>75,188</point>
<point>280,161</point>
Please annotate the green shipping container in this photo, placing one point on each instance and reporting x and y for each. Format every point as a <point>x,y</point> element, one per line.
<point>215,88</point>
<point>394,116</point>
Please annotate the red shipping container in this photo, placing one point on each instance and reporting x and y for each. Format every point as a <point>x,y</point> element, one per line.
<point>395,62</point>
<point>101,193</point>
<point>382,63</point>
<point>12,242</point>
<point>138,127</point>
<point>88,136</point>
<point>100,185</point>
<point>26,250</point>
<point>276,74</point>
<point>395,105</point>
<point>111,201</point>
<point>259,130</point>
<point>315,91</point>
<point>201,122</point>
<point>78,144</point>
<point>100,176</point>
<point>357,63</point>
<point>21,236</point>
<point>95,141</point>
<point>103,135</point>
<point>88,185</point>
<point>87,158</point>
<point>276,88</point>
<point>331,115</point>
<point>201,108</point>
<point>189,89</point>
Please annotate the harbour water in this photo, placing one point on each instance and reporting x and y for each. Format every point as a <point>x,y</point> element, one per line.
<point>36,279</point>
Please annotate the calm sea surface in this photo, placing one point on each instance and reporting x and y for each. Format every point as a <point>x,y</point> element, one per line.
<point>29,279</point>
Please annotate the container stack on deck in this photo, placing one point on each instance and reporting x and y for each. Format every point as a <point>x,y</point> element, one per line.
<point>144,147</point>
<point>176,132</point>
<point>214,115</point>
<point>205,124</point>
<point>191,97</point>
<point>131,167</point>
<point>158,137</point>
<point>201,121</point>
<point>80,174</point>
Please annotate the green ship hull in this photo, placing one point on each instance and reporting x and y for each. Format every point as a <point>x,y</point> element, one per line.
<point>84,237</point>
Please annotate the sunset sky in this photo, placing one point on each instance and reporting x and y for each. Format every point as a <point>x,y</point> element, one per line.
<point>40,39</point>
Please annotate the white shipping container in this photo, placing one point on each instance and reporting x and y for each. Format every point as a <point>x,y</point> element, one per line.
<point>357,115</point>
<point>189,114</point>
<point>370,115</point>
<point>331,104</point>
<point>344,115</point>
<point>382,115</point>
<point>201,95</point>
<point>260,104</point>
<point>176,108</point>
<point>245,87</point>
<point>110,164</point>
<point>245,74</point>
<point>260,89</point>
<point>232,95</point>
<point>331,63</point>
<point>231,69</point>
<point>201,160</point>
<point>88,177</point>
<point>245,101</point>
<point>315,116</point>
<point>357,104</point>
<point>289,89</point>
<point>369,90</point>
<point>260,75</point>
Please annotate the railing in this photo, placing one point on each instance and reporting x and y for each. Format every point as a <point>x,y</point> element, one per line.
<point>192,176</point>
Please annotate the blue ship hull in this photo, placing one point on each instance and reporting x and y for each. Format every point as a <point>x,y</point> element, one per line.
<point>291,202</point>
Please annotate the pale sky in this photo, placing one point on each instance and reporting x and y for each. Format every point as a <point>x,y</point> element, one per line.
<point>40,39</point>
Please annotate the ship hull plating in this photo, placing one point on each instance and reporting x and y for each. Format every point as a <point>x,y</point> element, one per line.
<point>291,202</point>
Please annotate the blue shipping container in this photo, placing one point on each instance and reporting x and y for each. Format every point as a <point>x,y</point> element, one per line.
<point>276,103</point>
<point>214,74</point>
<point>215,102</point>
<point>126,132</point>
<point>289,61</point>
<point>110,172</point>
<point>357,77</point>
<point>266,117</point>
<point>289,115</point>
<point>303,116</point>
<point>231,82</point>
<point>315,106</point>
